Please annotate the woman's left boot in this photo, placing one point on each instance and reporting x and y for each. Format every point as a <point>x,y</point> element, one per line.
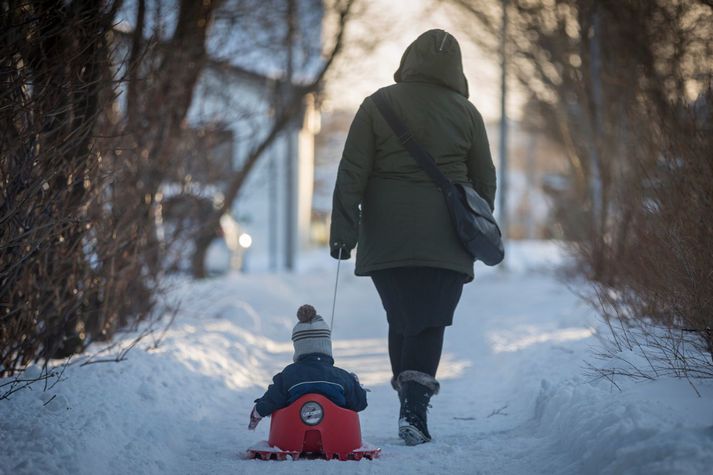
<point>415,391</point>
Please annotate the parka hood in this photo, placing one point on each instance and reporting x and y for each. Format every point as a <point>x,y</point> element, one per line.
<point>434,58</point>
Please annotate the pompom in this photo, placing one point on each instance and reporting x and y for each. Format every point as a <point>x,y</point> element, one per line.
<point>306,313</point>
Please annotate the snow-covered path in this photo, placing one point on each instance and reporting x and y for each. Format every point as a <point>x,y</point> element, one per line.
<point>514,395</point>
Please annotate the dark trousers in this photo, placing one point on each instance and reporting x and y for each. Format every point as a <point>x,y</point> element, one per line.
<point>419,352</point>
<point>419,304</point>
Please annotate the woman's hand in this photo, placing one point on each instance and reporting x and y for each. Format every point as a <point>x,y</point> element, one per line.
<point>339,250</point>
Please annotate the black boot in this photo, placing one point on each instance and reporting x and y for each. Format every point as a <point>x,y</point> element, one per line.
<point>415,391</point>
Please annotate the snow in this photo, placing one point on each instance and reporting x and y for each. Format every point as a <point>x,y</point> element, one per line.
<point>515,396</point>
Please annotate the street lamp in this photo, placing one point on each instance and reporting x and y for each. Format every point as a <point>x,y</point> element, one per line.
<point>245,240</point>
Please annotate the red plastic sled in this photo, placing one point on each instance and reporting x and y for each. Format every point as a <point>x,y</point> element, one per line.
<point>314,426</point>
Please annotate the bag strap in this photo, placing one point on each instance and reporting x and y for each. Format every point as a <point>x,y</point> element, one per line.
<point>421,155</point>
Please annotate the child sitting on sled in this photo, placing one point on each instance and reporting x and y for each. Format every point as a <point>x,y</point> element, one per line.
<point>313,371</point>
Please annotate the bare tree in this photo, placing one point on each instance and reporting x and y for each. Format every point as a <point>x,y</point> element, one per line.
<point>289,103</point>
<point>625,87</point>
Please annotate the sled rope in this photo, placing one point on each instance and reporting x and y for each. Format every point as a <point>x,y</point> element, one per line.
<point>334,300</point>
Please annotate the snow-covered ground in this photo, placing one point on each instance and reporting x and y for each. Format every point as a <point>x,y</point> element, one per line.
<point>515,398</point>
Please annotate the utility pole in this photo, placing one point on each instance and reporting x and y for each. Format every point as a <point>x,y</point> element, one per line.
<point>595,64</point>
<point>503,181</point>
<point>272,207</point>
<point>290,201</point>
<point>595,157</point>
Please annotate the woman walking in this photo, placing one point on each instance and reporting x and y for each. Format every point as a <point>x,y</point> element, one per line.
<point>385,202</point>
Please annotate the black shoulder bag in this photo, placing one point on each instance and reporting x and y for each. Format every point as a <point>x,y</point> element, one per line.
<point>470,213</point>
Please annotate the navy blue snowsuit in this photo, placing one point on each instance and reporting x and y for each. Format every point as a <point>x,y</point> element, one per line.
<point>312,373</point>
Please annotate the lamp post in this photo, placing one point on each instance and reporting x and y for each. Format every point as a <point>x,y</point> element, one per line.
<point>503,181</point>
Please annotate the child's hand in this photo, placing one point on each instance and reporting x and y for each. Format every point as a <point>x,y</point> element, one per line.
<point>254,419</point>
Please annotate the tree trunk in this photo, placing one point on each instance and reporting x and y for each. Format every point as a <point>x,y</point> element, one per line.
<point>202,242</point>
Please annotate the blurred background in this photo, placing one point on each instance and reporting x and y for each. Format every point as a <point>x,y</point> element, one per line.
<point>147,138</point>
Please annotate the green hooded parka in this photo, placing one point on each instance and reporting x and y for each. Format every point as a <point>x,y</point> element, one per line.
<point>382,199</point>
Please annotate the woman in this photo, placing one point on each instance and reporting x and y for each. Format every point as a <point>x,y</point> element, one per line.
<point>384,201</point>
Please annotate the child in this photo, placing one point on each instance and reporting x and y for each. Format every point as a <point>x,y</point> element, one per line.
<point>313,371</point>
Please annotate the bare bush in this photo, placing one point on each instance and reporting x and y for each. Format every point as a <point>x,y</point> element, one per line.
<point>654,262</point>
<point>657,257</point>
<point>644,350</point>
<point>51,288</point>
<point>79,174</point>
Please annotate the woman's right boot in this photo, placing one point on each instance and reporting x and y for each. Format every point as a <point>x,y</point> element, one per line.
<point>415,391</point>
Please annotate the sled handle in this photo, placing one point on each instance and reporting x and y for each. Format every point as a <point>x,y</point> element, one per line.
<point>336,282</point>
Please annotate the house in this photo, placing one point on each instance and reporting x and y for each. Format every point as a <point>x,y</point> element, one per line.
<point>245,77</point>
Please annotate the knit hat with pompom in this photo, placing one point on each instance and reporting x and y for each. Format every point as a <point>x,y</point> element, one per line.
<point>311,334</point>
